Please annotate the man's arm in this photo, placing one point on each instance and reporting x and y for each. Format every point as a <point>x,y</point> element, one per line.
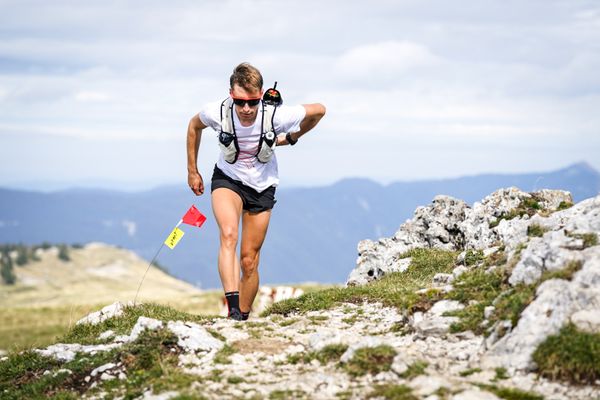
<point>194,133</point>
<point>314,113</point>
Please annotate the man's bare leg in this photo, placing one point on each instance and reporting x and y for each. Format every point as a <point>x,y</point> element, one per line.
<point>227,208</point>
<point>254,230</point>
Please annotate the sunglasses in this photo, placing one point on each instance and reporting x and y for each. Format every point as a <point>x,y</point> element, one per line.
<point>240,102</point>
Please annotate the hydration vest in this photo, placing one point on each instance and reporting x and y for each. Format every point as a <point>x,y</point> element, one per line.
<point>228,139</point>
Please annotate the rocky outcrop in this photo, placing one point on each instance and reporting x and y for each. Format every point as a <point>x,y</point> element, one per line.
<point>506,219</point>
<point>451,224</point>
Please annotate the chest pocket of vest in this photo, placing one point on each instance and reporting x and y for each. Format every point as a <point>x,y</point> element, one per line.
<point>228,138</point>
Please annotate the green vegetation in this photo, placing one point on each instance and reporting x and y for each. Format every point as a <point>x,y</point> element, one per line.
<point>529,206</point>
<point>370,360</point>
<point>564,205</point>
<point>510,394</point>
<point>535,230</point>
<point>288,394</point>
<point>6,269</point>
<point>470,371</point>
<point>150,362</point>
<point>392,392</point>
<point>394,290</point>
<point>234,380</point>
<point>88,334</point>
<point>501,374</point>
<point>589,239</point>
<point>21,328</point>
<point>570,355</point>
<point>415,369</point>
<point>329,353</point>
<point>63,253</point>
<point>478,289</point>
<point>26,254</point>
<point>565,273</point>
<point>222,356</point>
<point>473,257</point>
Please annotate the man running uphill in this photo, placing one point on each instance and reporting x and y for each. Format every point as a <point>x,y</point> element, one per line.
<point>245,175</point>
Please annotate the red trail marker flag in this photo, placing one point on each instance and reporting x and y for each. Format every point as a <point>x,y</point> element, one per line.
<point>191,217</point>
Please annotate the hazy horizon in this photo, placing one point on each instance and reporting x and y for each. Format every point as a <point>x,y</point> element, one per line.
<point>55,186</point>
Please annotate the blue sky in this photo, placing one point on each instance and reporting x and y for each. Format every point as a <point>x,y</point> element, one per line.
<point>100,93</point>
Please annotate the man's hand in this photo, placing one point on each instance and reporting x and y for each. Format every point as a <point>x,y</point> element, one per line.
<point>196,183</point>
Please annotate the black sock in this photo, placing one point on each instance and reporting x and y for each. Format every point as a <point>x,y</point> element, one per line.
<point>245,315</point>
<point>233,300</point>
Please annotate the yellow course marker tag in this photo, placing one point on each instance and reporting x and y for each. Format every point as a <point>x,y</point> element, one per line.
<point>174,238</point>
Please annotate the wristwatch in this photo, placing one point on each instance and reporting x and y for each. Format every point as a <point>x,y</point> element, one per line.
<point>288,137</point>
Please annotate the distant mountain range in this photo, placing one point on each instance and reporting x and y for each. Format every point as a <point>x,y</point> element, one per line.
<point>313,233</point>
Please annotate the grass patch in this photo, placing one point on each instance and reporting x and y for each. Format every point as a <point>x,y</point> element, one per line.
<point>565,273</point>
<point>370,360</point>
<point>88,334</point>
<point>478,289</point>
<point>501,374</point>
<point>222,356</point>
<point>350,320</point>
<point>288,394</point>
<point>331,353</point>
<point>150,362</point>
<point>327,354</point>
<point>535,230</point>
<point>589,239</point>
<point>288,322</point>
<point>317,319</point>
<point>570,355</point>
<point>234,380</point>
<point>415,369</point>
<point>473,257</point>
<point>22,327</point>
<point>564,205</point>
<point>469,372</point>
<point>509,393</point>
<point>392,392</point>
<point>394,290</point>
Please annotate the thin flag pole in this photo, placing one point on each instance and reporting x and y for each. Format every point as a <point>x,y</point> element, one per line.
<point>149,265</point>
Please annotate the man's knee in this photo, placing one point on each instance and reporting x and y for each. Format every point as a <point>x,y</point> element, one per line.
<point>249,263</point>
<point>229,236</point>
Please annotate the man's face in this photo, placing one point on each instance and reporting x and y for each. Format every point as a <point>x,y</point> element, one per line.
<point>246,113</point>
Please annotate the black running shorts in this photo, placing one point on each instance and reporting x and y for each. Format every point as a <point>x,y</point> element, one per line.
<point>253,201</point>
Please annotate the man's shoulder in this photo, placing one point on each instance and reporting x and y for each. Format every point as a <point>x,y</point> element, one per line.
<point>290,112</point>
<point>210,113</point>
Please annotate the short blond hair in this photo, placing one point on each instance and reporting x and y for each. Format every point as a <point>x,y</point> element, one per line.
<point>247,77</point>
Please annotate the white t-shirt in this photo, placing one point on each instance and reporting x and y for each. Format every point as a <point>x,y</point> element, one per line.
<point>247,169</point>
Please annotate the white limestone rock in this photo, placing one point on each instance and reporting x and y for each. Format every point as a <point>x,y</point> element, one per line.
<point>68,352</point>
<point>193,337</point>
<point>102,369</point>
<point>433,322</point>
<point>112,310</point>
<point>474,394</point>
<point>551,252</point>
<point>543,317</point>
<point>587,320</point>
<point>142,324</point>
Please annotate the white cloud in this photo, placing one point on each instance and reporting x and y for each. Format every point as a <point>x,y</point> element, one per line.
<point>427,78</point>
<point>384,60</point>
<point>91,96</point>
